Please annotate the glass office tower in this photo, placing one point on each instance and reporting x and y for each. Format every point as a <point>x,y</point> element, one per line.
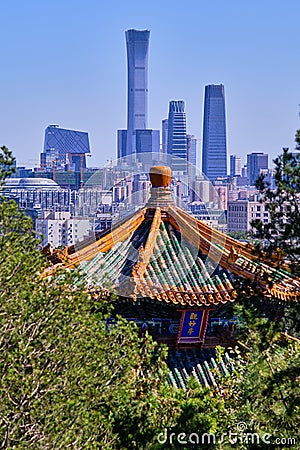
<point>214,150</point>
<point>256,162</point>
<point>192,149</point>
<point>164,135</point>
<point>177,139</point>
<point>63,146</point>
<point>235,166</point>
<point>137,139</point>
<point>137,43</point>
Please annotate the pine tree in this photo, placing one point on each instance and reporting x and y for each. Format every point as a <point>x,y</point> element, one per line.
<point>66,381</point>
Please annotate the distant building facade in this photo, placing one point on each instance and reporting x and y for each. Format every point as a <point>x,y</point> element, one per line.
<point>192,149</point>
<point>202,190</point>
<point>147,142</point>
<point>191,157</point>
<point>41,194</point>
<point>240,213</point>
<point>235,166</point>
<point>269,177</point>
<point>164,136</point>
<point>89,199</point>
<point>121,143</point>
<point>64,149</point>
<point>59,229</point>
<point>214,148</point>
<point>210,215</point>
<point>256,162</point>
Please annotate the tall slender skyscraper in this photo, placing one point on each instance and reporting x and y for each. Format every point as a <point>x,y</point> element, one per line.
<point>133,140</point>
<point>137,43</point>
<point>235,165</point>
<point>164,135</point>
<point>191,157</point>
<point>192,149</point>
<point>214,150</point>
<point>177,140</point>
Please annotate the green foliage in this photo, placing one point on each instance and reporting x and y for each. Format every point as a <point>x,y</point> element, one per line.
<point>297,140</point>
<point>65,380</point>
<point>266,391</point>
<point>282,234</point>
<point>69,382</point>
<point>203,411</point>
<point>239,235</point>
<point>6,164</point>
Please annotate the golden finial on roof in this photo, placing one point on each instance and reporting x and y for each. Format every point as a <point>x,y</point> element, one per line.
<point>160,176</point>
<point>160,193</point>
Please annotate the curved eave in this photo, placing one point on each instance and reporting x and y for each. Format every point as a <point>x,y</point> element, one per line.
<point>231,255</point>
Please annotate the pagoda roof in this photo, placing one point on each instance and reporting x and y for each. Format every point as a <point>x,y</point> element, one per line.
<point>163,254</point>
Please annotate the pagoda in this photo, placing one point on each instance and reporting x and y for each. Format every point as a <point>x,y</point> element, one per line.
<point>171,271</point>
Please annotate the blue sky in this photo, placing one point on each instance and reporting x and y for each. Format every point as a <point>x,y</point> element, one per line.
<point>64,62</point>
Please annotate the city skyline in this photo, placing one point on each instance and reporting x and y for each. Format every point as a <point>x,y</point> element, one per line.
<point>55,74</point>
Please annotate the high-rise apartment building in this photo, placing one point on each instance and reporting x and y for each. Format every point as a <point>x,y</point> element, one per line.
<point>60,229</point>
<point>256,162</point>
<point>214,149</point>
<point>177,138</point>
<point>235,166</point>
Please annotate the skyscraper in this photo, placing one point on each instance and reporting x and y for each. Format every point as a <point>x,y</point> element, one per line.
<point>147,142</point>
<point>164,135</point>
<point>214,150</point>
<point>177,139</point>
<point>255,163</point>
<point>64,147</point>
<point>137,61</point>
<point>191,156</point>
<point>192,149</point>
<point>235,165</point>
<point>137,44</point>
<point>121,143</point>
